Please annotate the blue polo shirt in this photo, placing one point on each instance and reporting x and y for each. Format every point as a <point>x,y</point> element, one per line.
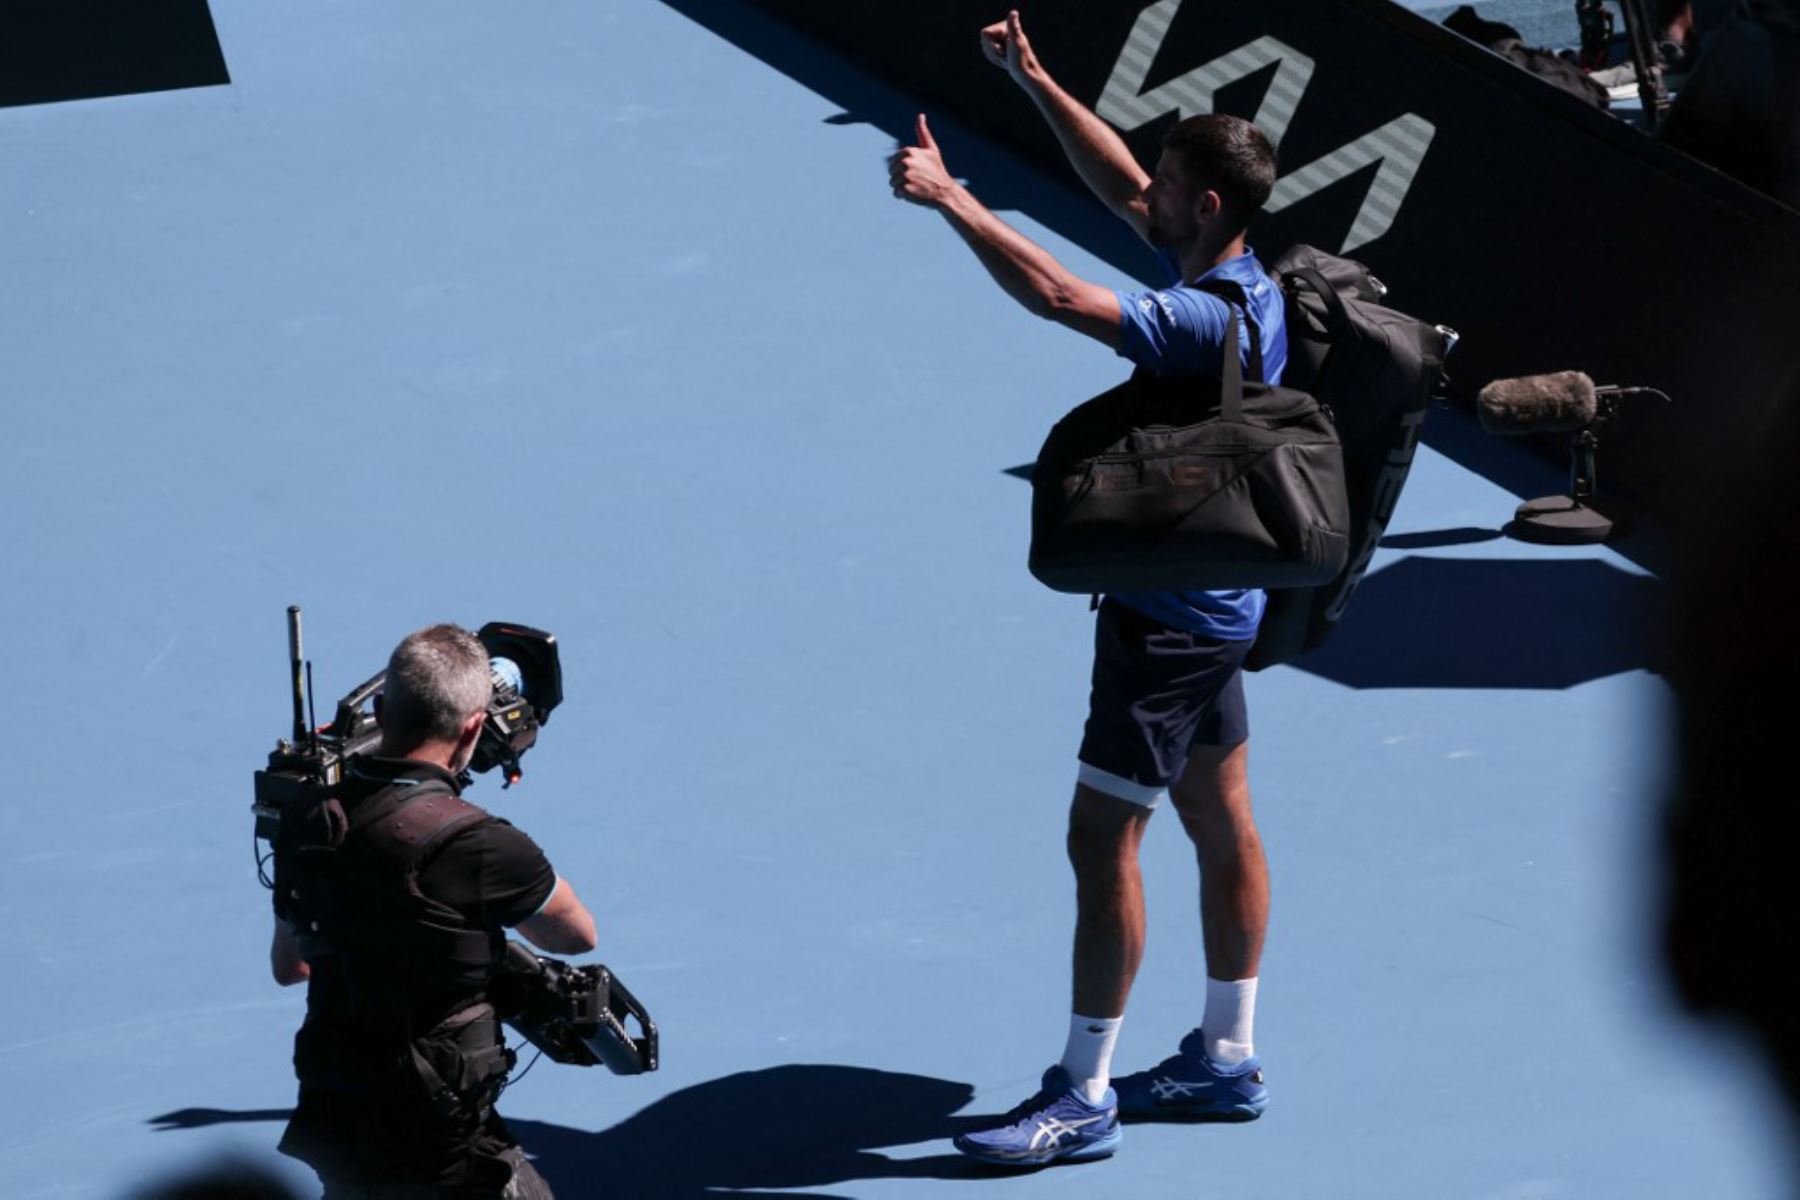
<point>1180,330</point>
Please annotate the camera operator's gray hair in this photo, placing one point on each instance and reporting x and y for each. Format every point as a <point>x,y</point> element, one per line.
<point>436,678</point>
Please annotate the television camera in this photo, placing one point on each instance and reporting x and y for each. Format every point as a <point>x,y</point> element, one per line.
<point>574,1014</point>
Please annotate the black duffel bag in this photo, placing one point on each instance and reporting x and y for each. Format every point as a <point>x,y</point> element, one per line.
<point>1168,484</point>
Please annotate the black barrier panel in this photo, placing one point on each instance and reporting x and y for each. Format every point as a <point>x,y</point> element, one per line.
<point>53,50</point>
<point>1549,233</point>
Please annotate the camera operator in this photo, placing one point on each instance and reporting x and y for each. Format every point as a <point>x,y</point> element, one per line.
<point>392,895</point>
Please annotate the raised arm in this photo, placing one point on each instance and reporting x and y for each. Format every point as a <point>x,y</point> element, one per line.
<point>1094,148</point>
<point>1028,272</point>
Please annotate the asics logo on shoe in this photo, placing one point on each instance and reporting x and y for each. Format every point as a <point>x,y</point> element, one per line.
<point>1052,1130</point>
<point>1166,1088</point>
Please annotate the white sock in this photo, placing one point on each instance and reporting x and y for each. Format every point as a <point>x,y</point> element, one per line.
<point>1230,1015</point>
<point>1087,1056</point>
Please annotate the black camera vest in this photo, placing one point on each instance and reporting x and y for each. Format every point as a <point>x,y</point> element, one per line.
<point>347,862</point>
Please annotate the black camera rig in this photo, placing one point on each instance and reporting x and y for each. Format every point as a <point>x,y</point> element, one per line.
<point>574,1014</point>
<point>527,686</point>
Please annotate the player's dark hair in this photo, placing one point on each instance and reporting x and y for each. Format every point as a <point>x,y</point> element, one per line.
<point>1230,156</point>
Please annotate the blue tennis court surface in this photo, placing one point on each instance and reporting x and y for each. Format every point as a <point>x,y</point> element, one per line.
<point>585,316</point>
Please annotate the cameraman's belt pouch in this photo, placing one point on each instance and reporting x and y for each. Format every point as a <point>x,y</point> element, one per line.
<point>1190,484</point>
<point>462,1062</point>
<point>456,1068</point>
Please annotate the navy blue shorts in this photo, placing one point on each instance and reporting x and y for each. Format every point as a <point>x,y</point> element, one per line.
<point>1157,692</point>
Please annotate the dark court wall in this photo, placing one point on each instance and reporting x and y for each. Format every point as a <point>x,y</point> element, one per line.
<point>1550,234</point>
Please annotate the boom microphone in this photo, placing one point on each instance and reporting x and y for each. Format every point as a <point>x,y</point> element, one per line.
<point>1560,403</point>
<point>1538,404</point>
<point>1564,402</point>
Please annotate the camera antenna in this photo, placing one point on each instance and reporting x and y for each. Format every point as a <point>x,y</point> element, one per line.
<point>312,718</point>
<point>296,662</point>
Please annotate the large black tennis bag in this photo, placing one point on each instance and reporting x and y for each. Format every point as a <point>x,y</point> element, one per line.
<point>1184,484</point>
<point>1376,370</point>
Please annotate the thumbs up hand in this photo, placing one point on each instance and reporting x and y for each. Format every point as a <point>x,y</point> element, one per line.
<point>917,172</point>
<point>1005,45</point>
<point>922,132</point>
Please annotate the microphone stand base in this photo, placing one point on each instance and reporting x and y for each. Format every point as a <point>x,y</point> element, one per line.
<point>1558,521</point>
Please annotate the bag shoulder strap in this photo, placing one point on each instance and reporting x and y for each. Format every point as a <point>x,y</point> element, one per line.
<point>1341,332</point>
<point>1232,292</point>
<point>1231,375</point>
<point>1337,318</point>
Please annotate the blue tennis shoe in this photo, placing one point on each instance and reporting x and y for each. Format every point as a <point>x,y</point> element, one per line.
<point>1056,1125</point>
<point>1188,1086</point>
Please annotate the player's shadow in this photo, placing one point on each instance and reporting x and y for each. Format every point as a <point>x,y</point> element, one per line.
<point>753,1133</point>
<point>1494,623</point>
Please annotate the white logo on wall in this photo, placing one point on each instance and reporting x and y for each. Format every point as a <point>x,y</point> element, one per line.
<point>1399,146</point>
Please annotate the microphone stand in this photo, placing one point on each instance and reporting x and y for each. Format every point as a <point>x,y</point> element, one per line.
<point>1567,520</point>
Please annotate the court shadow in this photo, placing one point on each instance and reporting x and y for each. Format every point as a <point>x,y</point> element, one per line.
<point>1530,467</point>
<point>759,1132</point>
<point>1434,538</point>
<point>200,1118</point>
<point>1524,466</point>
<point>753,1133</point>
<point>1494,623</point>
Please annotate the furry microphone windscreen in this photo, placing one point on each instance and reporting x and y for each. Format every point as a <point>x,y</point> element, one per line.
<point>1537,404</point>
